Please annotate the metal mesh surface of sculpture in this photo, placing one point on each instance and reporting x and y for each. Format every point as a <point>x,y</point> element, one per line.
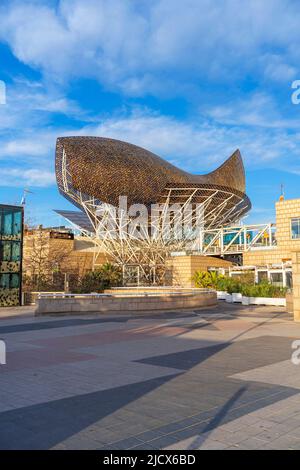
<point>93,172</point>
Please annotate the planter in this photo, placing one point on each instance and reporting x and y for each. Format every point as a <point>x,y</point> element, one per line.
<point>236,297</point>
<point>228,298</point>
<point>221,295</point>
<point>245,300</point>
<point>274,301</point>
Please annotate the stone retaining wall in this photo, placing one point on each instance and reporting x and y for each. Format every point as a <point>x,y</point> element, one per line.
<point>289,302</point>
<point>119,304</point>
<point>151,290</point>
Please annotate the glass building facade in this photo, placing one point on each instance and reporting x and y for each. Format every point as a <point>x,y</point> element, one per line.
<point>11,243</point>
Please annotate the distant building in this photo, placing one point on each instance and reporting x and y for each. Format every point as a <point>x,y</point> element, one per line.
<point>53,255</point>
<point>11,240</point>
<point>287,236</point>
<point>274,262</point>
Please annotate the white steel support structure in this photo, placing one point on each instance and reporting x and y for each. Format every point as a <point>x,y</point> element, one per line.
<point>236,239</point>
<point>185,220</point>
<point>145,246</point>
<point>128,243</point>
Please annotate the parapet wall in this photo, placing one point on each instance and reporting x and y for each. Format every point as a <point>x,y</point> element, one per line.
<point>76,304</point>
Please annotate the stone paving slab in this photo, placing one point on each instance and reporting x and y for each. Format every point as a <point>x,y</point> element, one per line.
<point>211,379</point>
<point>280,373</point>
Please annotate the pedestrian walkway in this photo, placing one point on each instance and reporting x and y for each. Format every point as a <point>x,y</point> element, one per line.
<point>219,378</point>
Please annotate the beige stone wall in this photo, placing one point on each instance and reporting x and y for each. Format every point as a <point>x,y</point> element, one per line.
<point>289,302</point>
<point>285,211</point>
<point>296,284</point>
<point>182,268</point>
<point>35,246</point>
<point>74,256</point>
<point>77,258</point>
<point>262,257</point>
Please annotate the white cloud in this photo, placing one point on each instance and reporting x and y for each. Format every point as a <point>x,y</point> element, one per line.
<point>32,177</point>
<point>258,109</point>
<point>276,69</point>
<point>168,48</point>
<point>201,146</point>
<point>33,146</point>
<point>197,147</point>
<point>29,104</point>
<point>138,45</point>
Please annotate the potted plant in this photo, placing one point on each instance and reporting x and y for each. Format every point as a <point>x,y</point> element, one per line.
<point>212,280</point>
<point>222,287</point>
<point>268,294</point>
<point>229,290</point>
<point>202,279</point>
<point>233,287</point>
<point>236,294</point>
<point>263,294</point>
<point>246,291</point>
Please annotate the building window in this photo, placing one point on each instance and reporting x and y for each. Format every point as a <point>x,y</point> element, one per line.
<point>276,279</point>
<point>262,276</point>
<point>289,279</point>
<point>295,228</point>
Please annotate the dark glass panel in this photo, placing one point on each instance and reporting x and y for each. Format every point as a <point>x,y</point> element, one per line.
<point>7,223</point>
<point>6,251</point>
<point>16,251</point>
<point>4,281</point>
<point>15,281</point>
<point>17,223</point>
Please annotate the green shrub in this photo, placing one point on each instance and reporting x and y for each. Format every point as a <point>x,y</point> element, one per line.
<point>263,289</point>
<point>103,278</point>
<point>245,277</point>
<point>249,290</point>
<point>242,284</point>
<point>200,278</point>
<point>207,279</point>
<point>222,283</point>
<point>233,286</point>
<point>111,275</point>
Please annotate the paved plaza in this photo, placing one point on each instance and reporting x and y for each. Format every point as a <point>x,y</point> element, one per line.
<point>220,378</point>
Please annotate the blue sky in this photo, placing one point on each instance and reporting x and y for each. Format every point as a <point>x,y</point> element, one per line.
<point>191,81</point>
